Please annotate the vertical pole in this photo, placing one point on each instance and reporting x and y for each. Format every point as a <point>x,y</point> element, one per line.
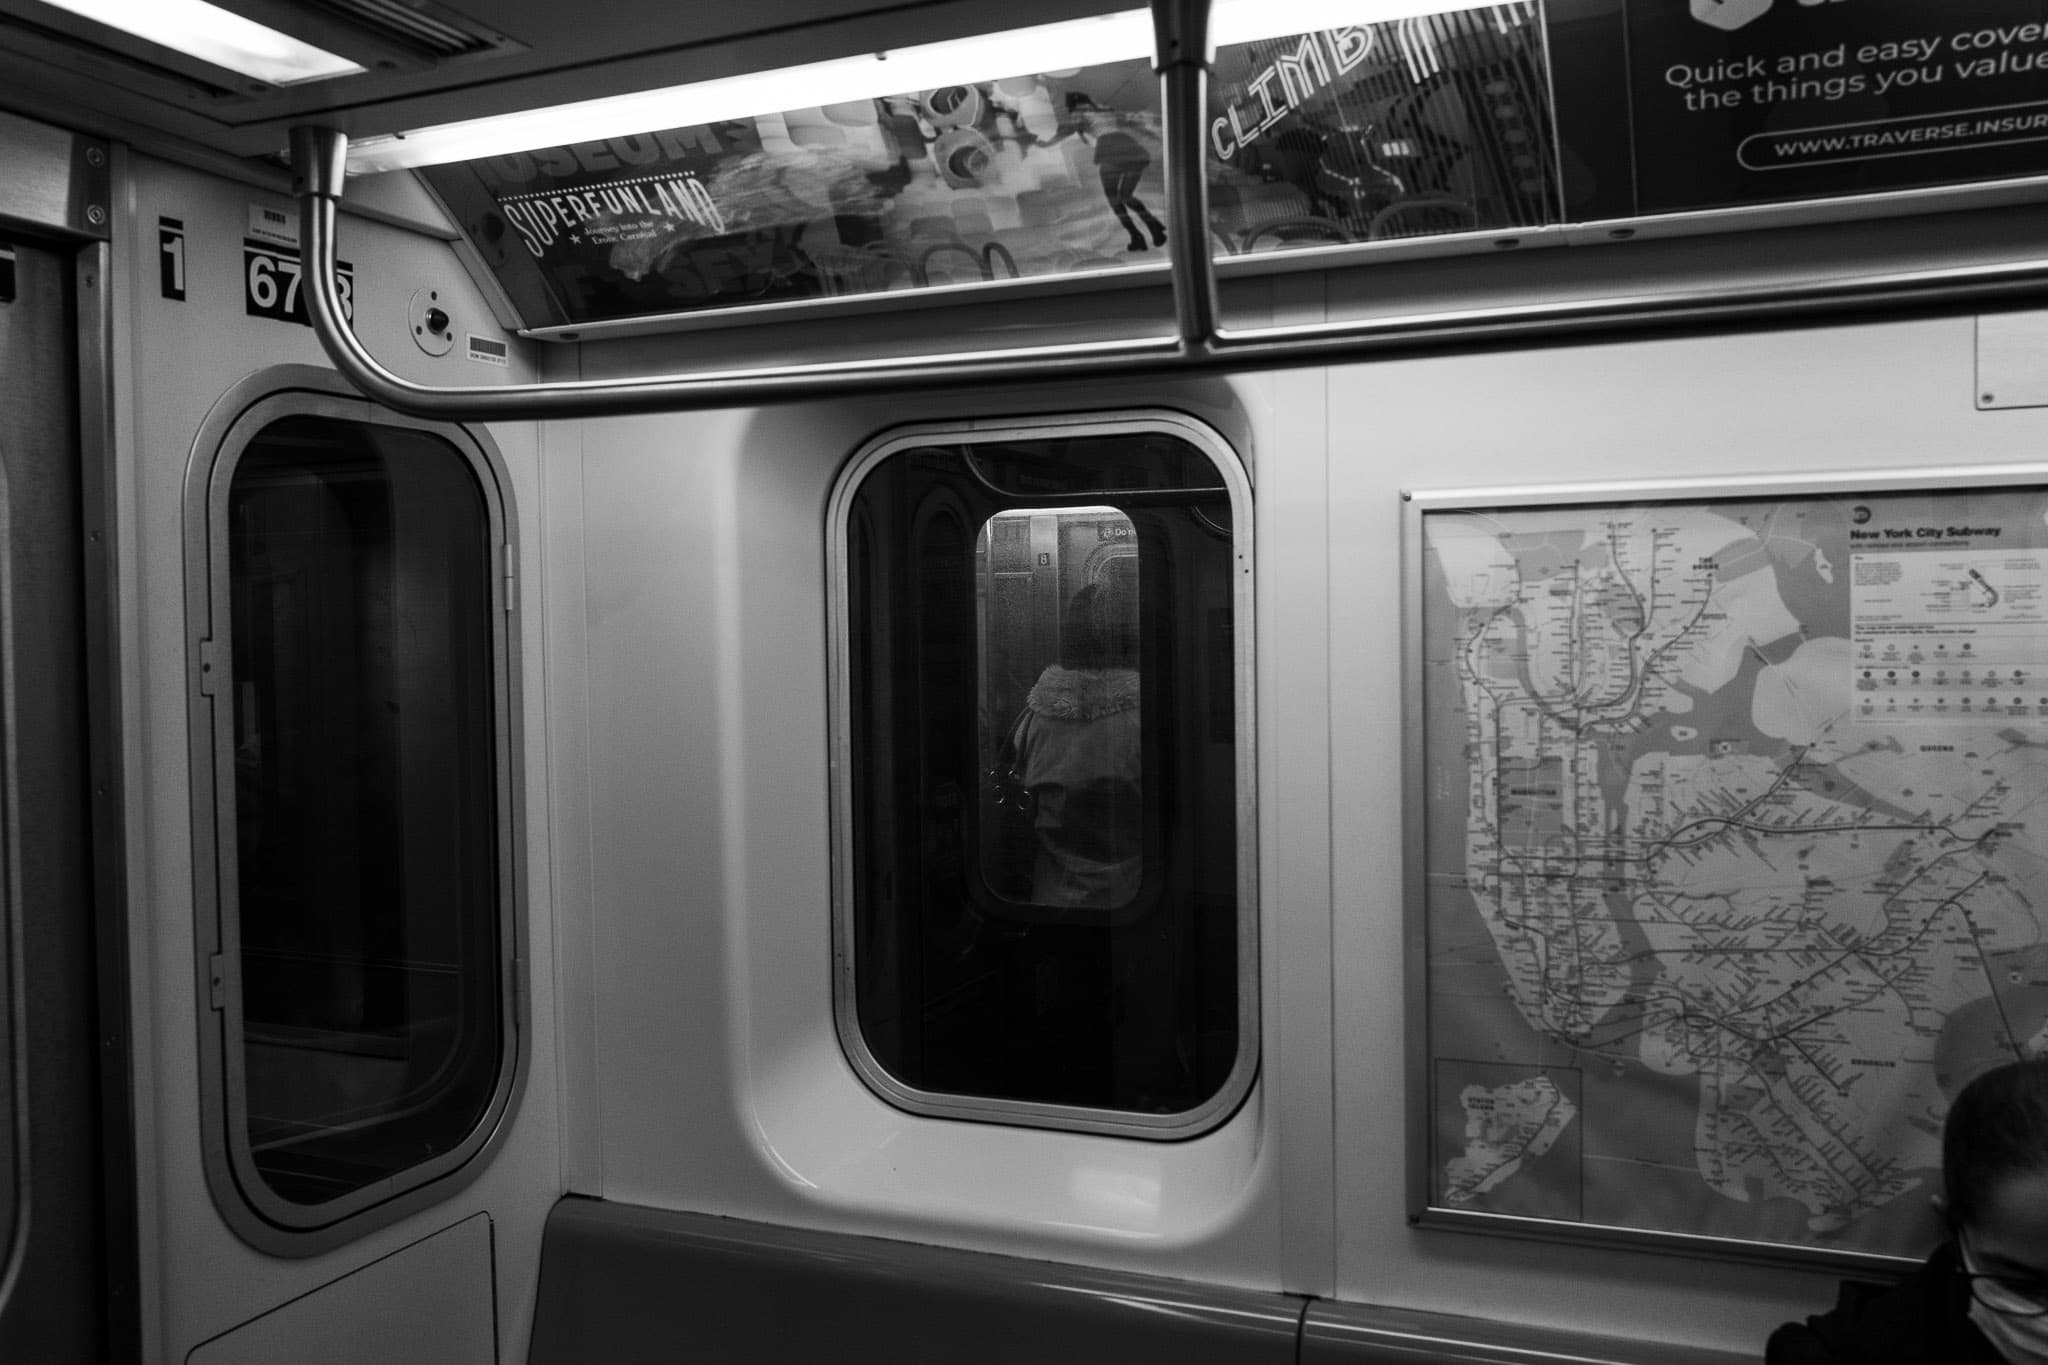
<point>1181,28</point>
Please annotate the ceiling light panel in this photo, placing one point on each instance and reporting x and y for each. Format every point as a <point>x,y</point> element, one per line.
<point>217,36</point>
<point>994,56</point>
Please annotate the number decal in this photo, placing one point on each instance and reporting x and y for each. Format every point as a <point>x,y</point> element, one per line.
<point>263,283</point>
<point>273,284</point>
<point>170,240</point>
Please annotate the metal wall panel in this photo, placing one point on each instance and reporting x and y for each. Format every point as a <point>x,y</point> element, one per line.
<point>48,1004</point>
<point>54,179</point>
<point>428,1304</point>
<point>177,359</point>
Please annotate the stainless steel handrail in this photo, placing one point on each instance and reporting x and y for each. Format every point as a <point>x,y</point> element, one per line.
<point>1199,341</point>
<point>1181,57</point>
<point>319,157</point>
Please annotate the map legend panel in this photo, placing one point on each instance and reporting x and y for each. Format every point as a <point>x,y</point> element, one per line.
<point>1945,636</point>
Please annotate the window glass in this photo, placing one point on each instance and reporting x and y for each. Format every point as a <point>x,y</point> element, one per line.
<point>364,804</point>
<point>1042,820</point>
<point>1061,728</point>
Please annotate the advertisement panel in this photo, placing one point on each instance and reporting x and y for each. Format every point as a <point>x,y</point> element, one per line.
<point>1513,116</point>
<point>1760,101</point>
<point>1358,133</point>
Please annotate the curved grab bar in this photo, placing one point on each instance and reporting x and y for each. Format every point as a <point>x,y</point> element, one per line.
<point>1199,341</point>
<point>662,393</point>
<point>319,161</point>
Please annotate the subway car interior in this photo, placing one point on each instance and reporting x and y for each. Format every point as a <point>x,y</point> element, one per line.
<point>1070,682</point>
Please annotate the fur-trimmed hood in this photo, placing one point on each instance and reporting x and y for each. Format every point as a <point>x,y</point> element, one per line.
<point>1084,693</point>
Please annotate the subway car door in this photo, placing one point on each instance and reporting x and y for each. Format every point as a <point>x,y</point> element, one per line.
<point>52,1281</point>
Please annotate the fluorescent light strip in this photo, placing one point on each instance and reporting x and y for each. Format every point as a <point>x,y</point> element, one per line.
<point>215,35</point>
<point>1246,21</point>
<point>993,56</point>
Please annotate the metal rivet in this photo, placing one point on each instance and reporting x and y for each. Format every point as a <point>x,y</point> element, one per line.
<point>95,215</point>
<point>95,157</point>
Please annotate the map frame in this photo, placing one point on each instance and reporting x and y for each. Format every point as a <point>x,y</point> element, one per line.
<point>1428,1112</point>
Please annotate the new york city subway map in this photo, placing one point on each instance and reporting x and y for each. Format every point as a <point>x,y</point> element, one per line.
<point>1737,826</point>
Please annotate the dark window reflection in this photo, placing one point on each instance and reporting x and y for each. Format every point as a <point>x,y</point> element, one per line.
<point>364,805</point>
<point>1045,804</point>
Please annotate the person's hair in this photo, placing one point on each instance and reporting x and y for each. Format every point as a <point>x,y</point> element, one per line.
<point>1082,642</point>
<point>1099,629</point>
<point>1997,1128</point>
<point>1078,103</point>
<point>1119,608</point>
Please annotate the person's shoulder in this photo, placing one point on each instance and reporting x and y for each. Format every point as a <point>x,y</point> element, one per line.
<point>1082,695</point>
<point>1797,1343</point>
<point>1919,1319</point>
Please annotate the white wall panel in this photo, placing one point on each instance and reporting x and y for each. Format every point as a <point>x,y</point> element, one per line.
<point>1880,395</point>
<point>1294,799</point>
<point>722,1086</point>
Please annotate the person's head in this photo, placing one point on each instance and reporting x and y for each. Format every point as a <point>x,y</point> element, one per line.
<point>1996,1137</point>
<point>1994,1162</point>
<point>1083,643</point>
<point>1082,110</point>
